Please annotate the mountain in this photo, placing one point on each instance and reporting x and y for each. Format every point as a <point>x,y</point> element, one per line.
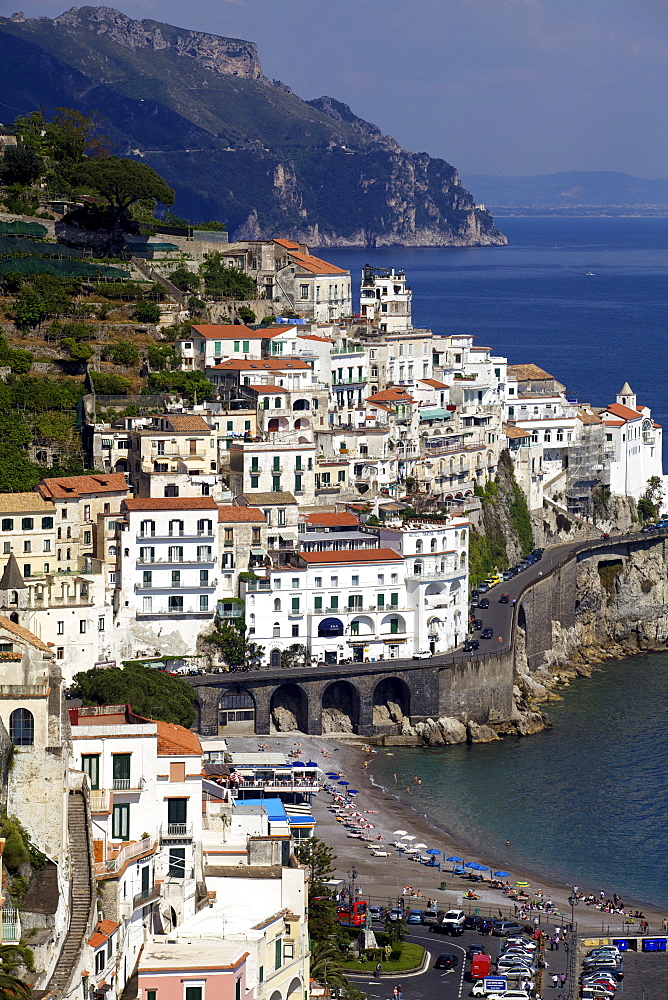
<point>573,191</point>
<point>233,144</point>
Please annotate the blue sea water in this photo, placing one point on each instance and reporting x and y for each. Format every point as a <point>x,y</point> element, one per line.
<point>584,803</point>
<point>535,300</point>
<point>587,801</point>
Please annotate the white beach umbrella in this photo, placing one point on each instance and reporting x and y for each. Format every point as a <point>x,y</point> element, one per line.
<point>401,833</point>
<point>406,837</point>
<point>419,847</point>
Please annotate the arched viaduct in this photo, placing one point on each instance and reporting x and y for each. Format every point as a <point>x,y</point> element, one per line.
<point>374,698</point>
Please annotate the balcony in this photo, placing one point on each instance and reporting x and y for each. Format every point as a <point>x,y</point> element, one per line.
<point>100,801</point>
<point>11,925</point>
<point>154,588</point>
<point>349,381</point>
<point>208,561</point>
<point>175,612</point>
<point>145,896</point>
<point>126,785</point>
<point>185,535</point>
<point>134,850</point>
<point>176,831</point>
<point>258,586</point>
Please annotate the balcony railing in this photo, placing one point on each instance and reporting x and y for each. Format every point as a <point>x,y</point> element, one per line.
<point>191,562</point>
<point>133,850</point>
<point>11,925</point>
<point>144,896</point>
<point>100,801</point>
<point>178,831</point>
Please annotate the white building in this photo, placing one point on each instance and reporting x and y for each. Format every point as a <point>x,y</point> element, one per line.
<point>385,299</point>
<point>634,443</point>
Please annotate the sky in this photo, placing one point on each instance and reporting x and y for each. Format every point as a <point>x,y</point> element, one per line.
<point>492,86</point>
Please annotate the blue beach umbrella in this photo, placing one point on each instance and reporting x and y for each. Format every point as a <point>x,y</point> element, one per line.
<point>344,783</point>
<point>501,874</point>
<point>454,858</point>
<point>353,791</point>
<point>471,864</point>
<point>298,763</point>
<point>310,763</point>
<point>331,774</point>
<point>433,850</point>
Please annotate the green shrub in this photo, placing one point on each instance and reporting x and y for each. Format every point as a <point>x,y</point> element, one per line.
<point>108,384</point>
<point>146,311</point>
<point>122,353</point>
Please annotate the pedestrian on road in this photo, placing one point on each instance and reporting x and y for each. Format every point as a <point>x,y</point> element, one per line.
<point>555,980</point>
<point>562,979</point>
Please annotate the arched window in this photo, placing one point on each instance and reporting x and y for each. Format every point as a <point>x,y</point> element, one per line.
<point>278,402</point>
<point>113,551</point>
<point>22,728</point>
<point>417,567</point>
<point>418,545</point>
<point>14,599</point>
<point>433,545</point>
<point>277,604</point>
<point>69,554</point>
<point>277,630</point>
<point>462,559</point>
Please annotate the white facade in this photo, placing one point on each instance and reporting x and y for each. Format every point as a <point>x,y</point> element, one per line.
<point>634,444</point>
<point>385,299</point>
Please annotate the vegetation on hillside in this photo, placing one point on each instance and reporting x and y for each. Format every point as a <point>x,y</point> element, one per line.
<point>150,693</point>
<point>505,519</point>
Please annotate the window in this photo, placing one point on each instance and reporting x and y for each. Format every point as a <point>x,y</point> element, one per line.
<point>27,569</point>
<point>303,291</point>
<point>295,631</point>
<point>82,626</point>
<point>281,517</point>
<point>22,728</point>
<point>394,600</point>
<point>176,553</point>
<point>100,624</point>
<point>60,652</point>
<point>6,548</point>
<point>60,628</point>
<point>295,583</point>
<point>276,631</point>
<point>278,953</point>
<point>355,581</point>
<point>47,544</point>
<point>203,553</point>
<point>151,995</point>
<point>204,578</point>
<point>147,605</point>
<point>171,491</point>
<point>295,605</point>
<point>254,482</point>
<point>26,546</point>
<point>276,484</point>
<point>245,346</point>
<point>237,990</point>
<point>342,476</point>
<point>317,603</point>
<point>175,605</point>
<point>63,513</point>
<point>27,523</point>
<point>203,602</point>
<point>121,771</point>
<point>277,604</point>
<point>177,811</point>
<point>177,771</point>
<point>177,869</point>
<point>355,602</point>
<point>87,537</point>
<point>192,992</point>
<point>120,821</point>
<point>147,578</point>
<point>8,524</point>
<point>334,581</point>
<point>380,601</point>
<point>334,603</point>
<point>90,765</point>
<point>47,522</point>
<point>99,961</point>
<point>298,484</point>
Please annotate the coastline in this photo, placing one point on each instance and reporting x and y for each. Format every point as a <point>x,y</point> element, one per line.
<point>382,879</point>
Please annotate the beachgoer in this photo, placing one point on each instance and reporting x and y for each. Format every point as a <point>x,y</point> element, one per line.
<point>395,993</point>
<point>507,843</point>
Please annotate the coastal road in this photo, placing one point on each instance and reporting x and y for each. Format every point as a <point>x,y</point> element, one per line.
<point>435,984</point>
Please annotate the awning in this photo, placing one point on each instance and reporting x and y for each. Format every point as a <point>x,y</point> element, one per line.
<point>435,413</point>
<point>393,640</point>
<point>287,536</point>
<point>258,552</point>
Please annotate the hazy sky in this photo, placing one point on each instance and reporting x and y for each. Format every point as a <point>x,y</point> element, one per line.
<point>493,86</point>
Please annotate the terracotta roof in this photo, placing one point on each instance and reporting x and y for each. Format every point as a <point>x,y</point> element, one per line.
<point>288,244</point>
<point>588,417</point>
<point>169,503</point>
<point>226,331</point>
<point>268,499</point>
<point>175,740</point>
<point>107,927</point>
<point>614,423</point>
<point>188,423</point>
<point>18,502</point>
<point>515,433</point>
<point>314,264</point>
<point>623,412</point>
<point>240,514</point>
<point>274,365</point>
<point>434,383</point>
<point>273,389</point>
<point>96,940</point>
<point>333,519</point>
<point>22,633</point>
<point>277,329</point>
<point>352,556</point>
<point>312,336</point>
<point>527,373</point>
<point>68,487</point>
<point>390,396</point>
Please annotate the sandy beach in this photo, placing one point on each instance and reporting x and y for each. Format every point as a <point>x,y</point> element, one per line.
<point>382,879</point>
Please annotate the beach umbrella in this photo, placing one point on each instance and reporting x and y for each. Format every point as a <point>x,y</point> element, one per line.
<point>433,850</point>
<point>346,783</point>
<point>401,833</point>
<point>310,763</point>
<point>353,791</point>
<point>501,874</point>
<point>419,847</point>
<point>298,763</point>
<point>454,858</point>
<point>406,837</point>
<point>471,864</point>
<point>523,883</point>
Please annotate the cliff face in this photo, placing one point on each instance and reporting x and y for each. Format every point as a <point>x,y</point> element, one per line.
<point>233,144</point>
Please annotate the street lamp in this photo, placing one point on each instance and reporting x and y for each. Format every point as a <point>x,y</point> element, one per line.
<point>353,879</point>
<point>573,900</point>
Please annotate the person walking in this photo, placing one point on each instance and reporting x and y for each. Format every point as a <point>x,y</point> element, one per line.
<point>555,980</point>
<point>562,979</point>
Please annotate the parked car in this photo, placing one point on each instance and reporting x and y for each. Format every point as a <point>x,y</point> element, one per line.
<point>414,917</point>
<point>606,949</point>
<point>477,623</point>
<point>475,601</point>
<point>474,949</point>
<point>483,588</point>
<point>522,942</point>
<point>446,962</point>
<point>504,599</point>
<point>510,995</point>
<point>424,654</point>
<point>431,916</point>
<point>470,645</point>
<point>395,914</point>
<point>472,923</point>
<point>506,927</point>
<point>377,912</point>
<point>487,633</point>
<point>507,574</point>
<point>483,603</point>
<point>538,554</point>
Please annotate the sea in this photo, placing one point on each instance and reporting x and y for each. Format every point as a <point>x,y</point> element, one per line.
<point>585,802</point>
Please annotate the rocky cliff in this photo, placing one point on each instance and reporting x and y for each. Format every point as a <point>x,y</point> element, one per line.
<point>233,144</point>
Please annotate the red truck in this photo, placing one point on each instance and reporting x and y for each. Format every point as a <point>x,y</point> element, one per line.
<point>480,966</point>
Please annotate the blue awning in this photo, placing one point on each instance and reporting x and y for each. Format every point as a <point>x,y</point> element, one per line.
<point>333,625</point>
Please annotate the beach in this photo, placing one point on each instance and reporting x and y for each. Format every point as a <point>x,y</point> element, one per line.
<point>388,810</point>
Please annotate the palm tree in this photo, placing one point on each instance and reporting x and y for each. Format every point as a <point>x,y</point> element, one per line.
<point>12,956</point>
<point>326,968</point>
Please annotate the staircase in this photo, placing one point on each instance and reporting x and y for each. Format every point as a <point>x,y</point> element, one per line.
<point>80,895</point>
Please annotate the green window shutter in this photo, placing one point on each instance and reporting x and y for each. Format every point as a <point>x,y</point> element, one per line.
<point>334,603</point>
<point>279,952</point>
<point>90,764</point>
<point>394,600</point>
<point>245,345</point>
<point>380,600</point>
<point>120,821</point>
<point>317,604</point>
<point>295,605</point>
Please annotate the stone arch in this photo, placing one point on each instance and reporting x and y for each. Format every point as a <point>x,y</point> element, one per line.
<point>393,623</point>
<point>236,711</point>
<point>275,658</point>
<point>276,995</point>
<point>391,702</point>
<point>302,424</point>
<point>340,708</point>
<point>301,404</point>
<point>288,709</point>
<point>362,625</point>
<point>121,465</point>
